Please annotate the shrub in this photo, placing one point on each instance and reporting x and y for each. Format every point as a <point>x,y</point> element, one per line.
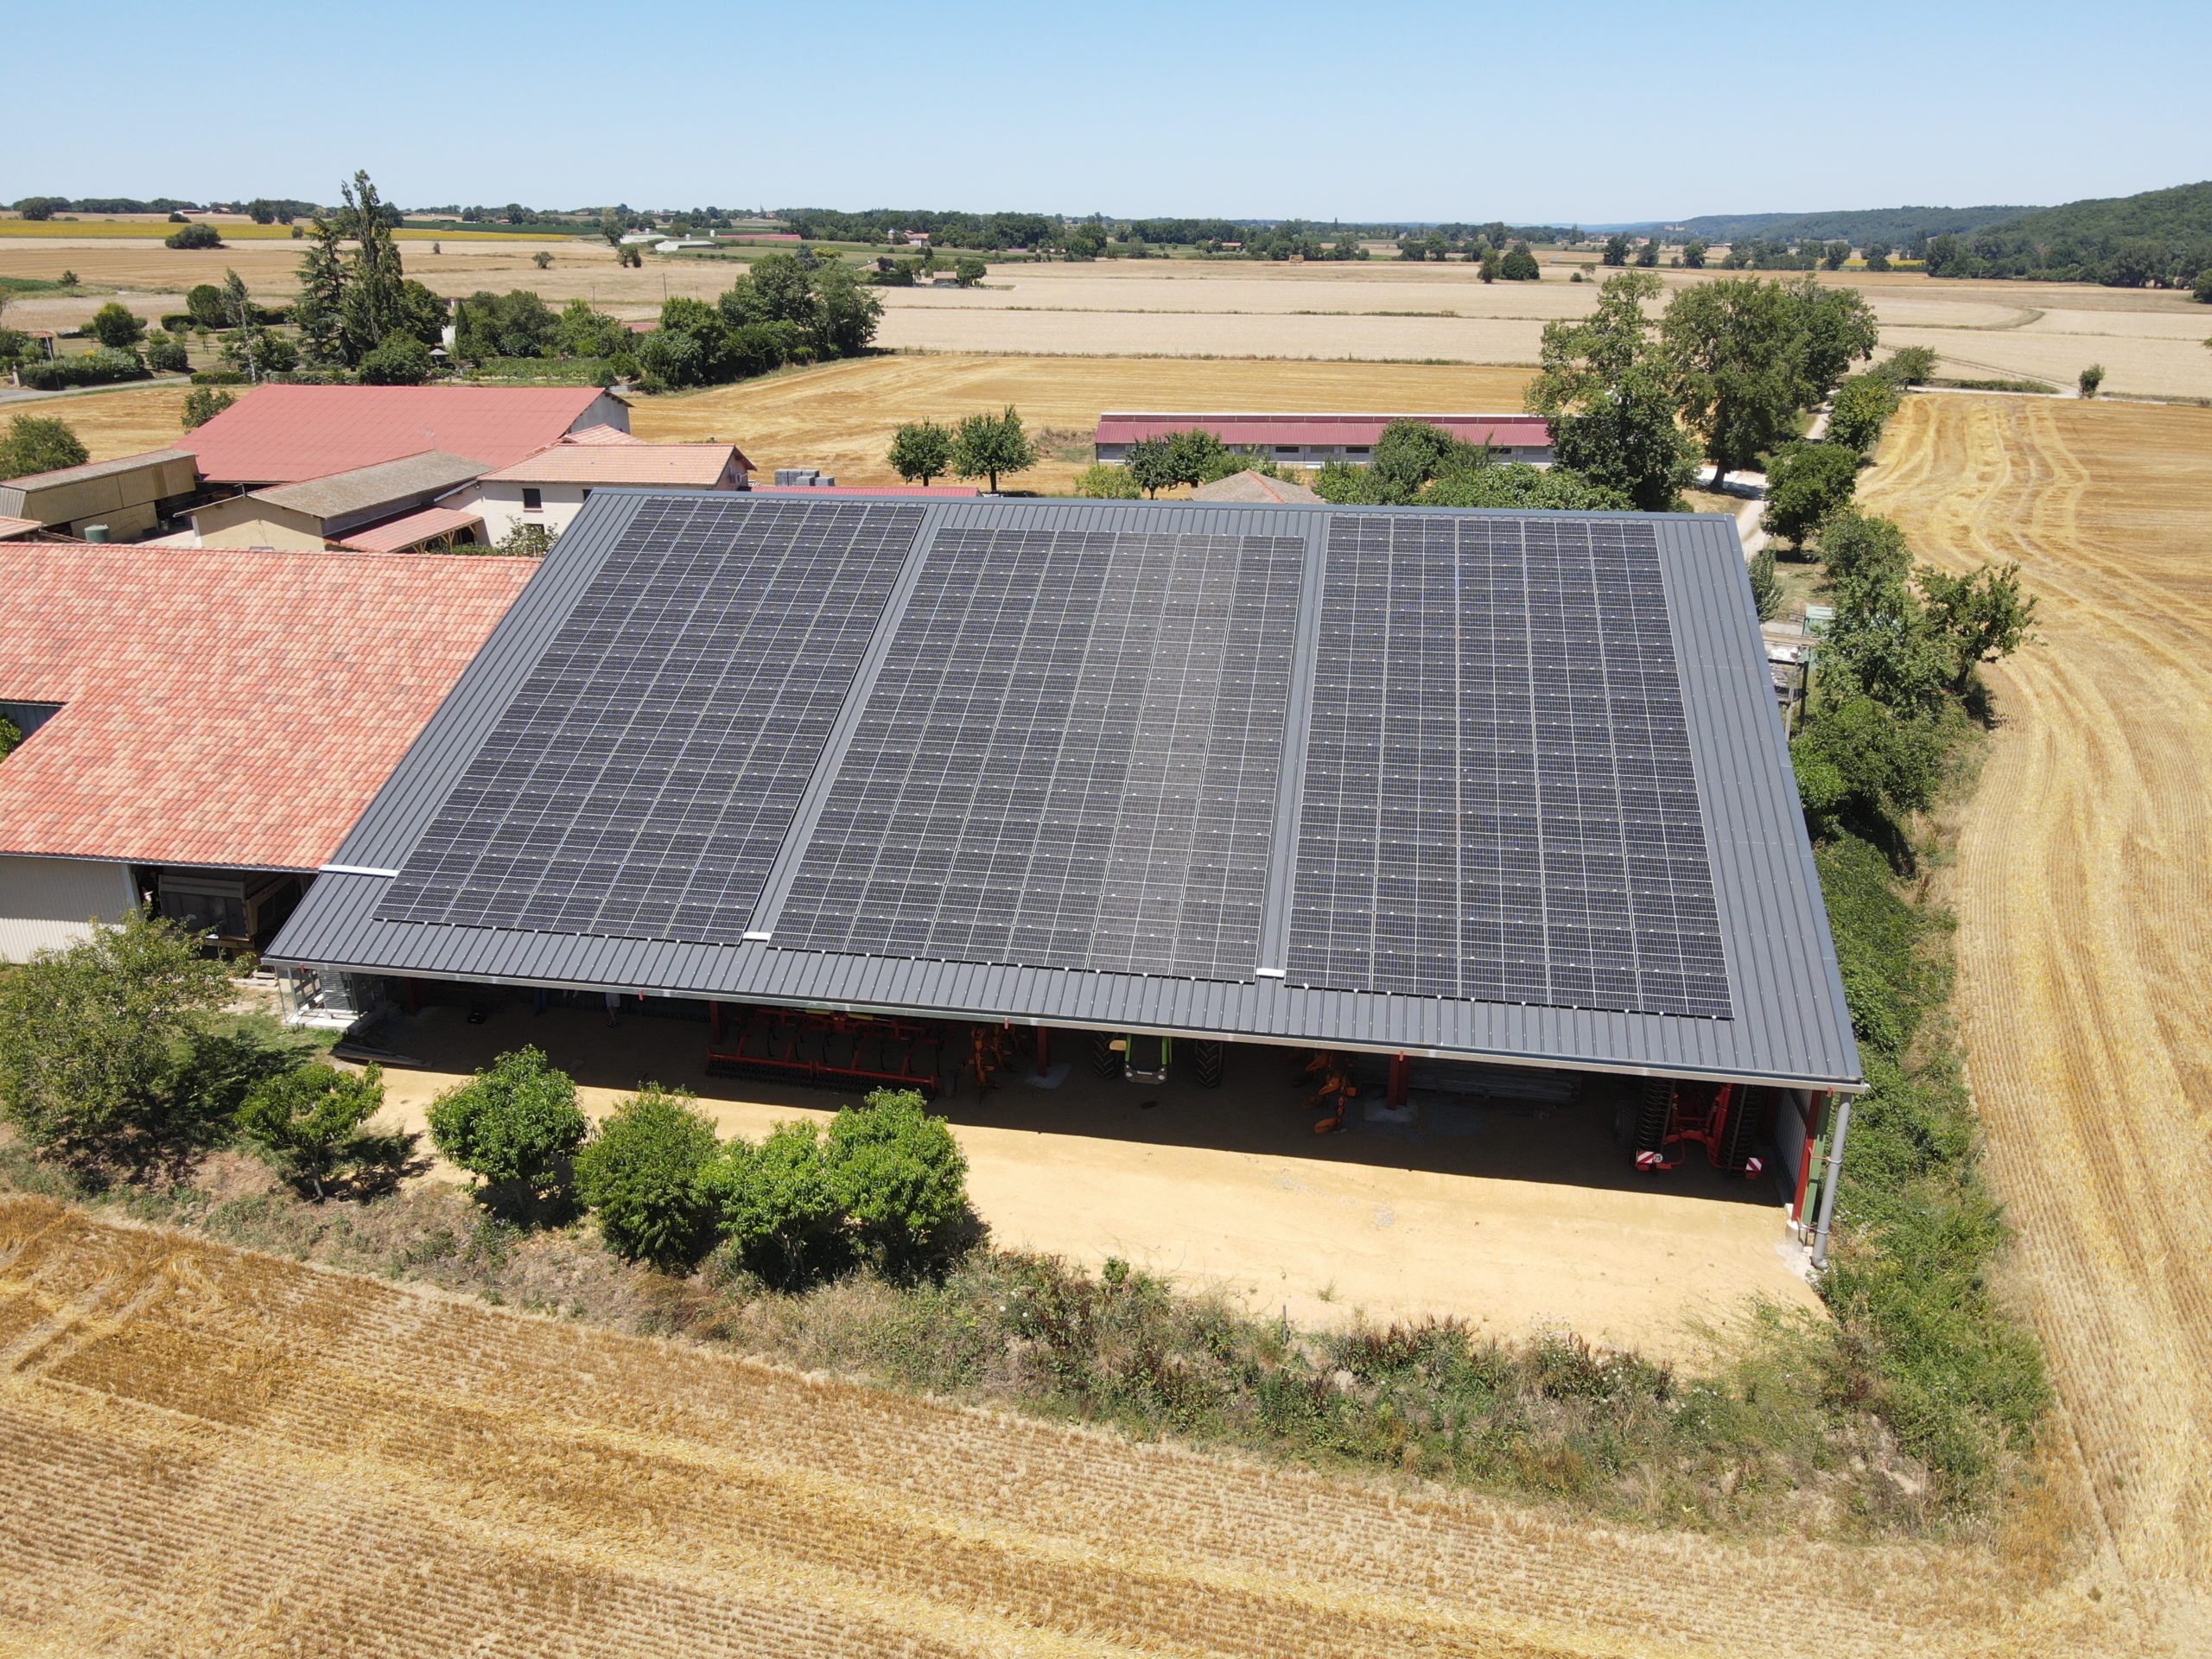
<point>1859,765</point>
<point>515,1126</point>
<point>1520,485</point>
<point>1807,484</point>
<point>900,1177</point>
<point>1911,366</point>
<point>645,1172</point>
<point>1105,483</point>
<point>778,1208</point>
<point>217,377</point>
<point>402,360</point>
<point>100,1041</point>
<point>2092,380</point>
<point>114,325</point>
<point>93,368</point>
<point>305,1123</point>
<point>40,444</point>
<point>195,236</point>
<point>203,403</point>
<point>166,353</point>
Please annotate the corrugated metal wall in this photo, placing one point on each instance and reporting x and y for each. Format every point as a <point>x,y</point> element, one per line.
<point>52,901</point>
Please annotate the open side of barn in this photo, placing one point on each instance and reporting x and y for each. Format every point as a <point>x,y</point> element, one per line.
<point>1439,809</point>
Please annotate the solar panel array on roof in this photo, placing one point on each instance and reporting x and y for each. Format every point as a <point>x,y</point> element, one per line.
<point>1499,802</point>
<point>1494,784</point>
<point>1071,756</point>
<point>638,783</point>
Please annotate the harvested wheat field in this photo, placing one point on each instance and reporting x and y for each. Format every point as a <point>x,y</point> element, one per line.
<point>1376,310</point>
<point>841,417</point>
<point>2083,888</point>
<point>208,1450</point>
<point>128,422</point>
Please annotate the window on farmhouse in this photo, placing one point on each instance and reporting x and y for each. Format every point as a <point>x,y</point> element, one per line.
<point>533,500</point>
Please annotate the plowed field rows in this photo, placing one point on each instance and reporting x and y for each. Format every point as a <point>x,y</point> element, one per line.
<point>2084,895</point>
<point>211,1452</point>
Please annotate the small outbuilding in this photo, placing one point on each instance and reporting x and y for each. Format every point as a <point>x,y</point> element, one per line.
<point>550,488</point>
<point>130,497</point>
<point>322,513</point>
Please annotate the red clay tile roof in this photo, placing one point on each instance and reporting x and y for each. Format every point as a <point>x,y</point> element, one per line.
<point>698,464</point>
<point>280,434</point>
<point>11,528</point>
<point>600,435</point>
<point>223,707</point>
<point>397,535</point>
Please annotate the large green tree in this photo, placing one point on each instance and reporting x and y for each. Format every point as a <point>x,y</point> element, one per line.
<point>40,444</point>
<point>921,450</point>
<point>1605,387</point>
<point>1860,409</point>
<point>99,1041</point>
<point>116,327</point>
<point>374,308</point>
<point>1836,326</point>
<point>985,446</point>
<point>320,311</point>
<point>1735,348</point>
<point>1810,483</point>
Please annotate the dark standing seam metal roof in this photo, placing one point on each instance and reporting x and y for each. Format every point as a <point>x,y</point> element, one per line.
<point>1791,1025</point>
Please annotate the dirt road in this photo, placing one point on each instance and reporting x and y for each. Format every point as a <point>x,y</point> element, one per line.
<point>208,1452</point>
<point>2083,886</point>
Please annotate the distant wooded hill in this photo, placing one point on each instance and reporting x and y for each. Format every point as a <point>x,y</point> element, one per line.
<point>2160,238</point>
<point>1900,227</point>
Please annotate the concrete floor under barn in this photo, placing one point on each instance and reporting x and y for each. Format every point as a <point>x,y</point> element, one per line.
<point>1513,1216</point>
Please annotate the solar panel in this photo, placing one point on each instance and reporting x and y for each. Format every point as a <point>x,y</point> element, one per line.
<point>1070,758</point>
<point>638,783</point>
<point>1498,799</point>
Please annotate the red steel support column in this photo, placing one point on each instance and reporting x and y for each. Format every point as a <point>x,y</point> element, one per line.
<point>1401,1075</point>
<point>714,1020</point>
<point>1044,1050</point>
<point>1819,1105</point>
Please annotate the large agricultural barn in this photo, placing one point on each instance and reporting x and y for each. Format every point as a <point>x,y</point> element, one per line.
<point>1462,801</point>
<point>201,728</point>
<point>1313,440</point>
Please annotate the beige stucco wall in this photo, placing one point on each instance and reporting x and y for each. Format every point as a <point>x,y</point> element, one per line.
<point>243,522</point>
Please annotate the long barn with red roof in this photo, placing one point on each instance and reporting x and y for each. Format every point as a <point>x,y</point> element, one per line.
<point>1314,440</point>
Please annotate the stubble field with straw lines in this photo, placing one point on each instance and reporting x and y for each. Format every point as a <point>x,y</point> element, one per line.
<point>208,1450</point>
<point>2084,889</point>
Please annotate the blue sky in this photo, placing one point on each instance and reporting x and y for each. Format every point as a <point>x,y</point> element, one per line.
<point>1391,109</point>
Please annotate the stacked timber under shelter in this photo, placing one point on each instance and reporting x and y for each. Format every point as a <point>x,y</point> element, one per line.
<point>1477,803</point>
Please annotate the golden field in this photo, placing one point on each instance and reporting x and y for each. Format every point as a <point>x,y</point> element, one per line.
<point>2084,889</point>
<point>1375,310</point>
<point>841,417</point>
<point>208,1450</point>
